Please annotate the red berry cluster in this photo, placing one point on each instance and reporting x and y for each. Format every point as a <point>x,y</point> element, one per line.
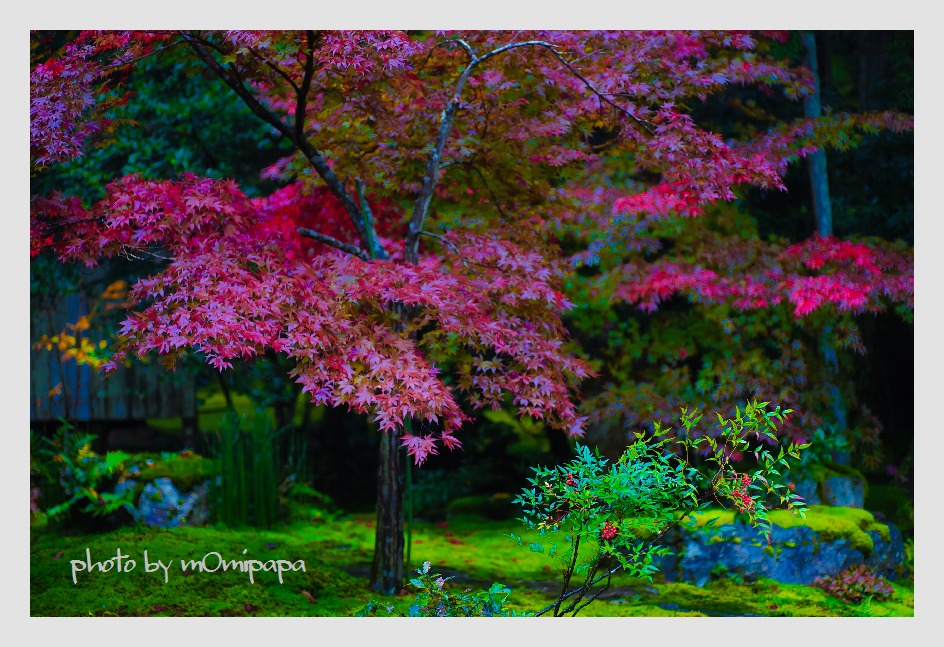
<point>570,480</point>
<point>608,532</point>
<point>743,499</point>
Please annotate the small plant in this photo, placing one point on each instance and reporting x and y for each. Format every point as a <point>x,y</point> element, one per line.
<point>70,473</point>
<point>248,488</point>
<point>722,572</point>
<point>601,518</point>
<point>314,506</point>
<point>856,584</point>
<point>435,601</point>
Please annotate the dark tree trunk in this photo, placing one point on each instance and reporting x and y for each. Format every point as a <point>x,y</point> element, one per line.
<point>822,212</point>
<point>386,574</point>
<point>819,180</point>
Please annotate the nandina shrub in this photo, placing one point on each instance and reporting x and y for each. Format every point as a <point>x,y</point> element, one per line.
<point>856,584</point>
<point>601,518</point>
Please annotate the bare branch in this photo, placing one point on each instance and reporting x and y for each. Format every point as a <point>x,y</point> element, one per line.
<point>238,87</point>
<point>411,251</point>
<point>570,572</point>
<point>516,34</point>
<point>465,262</point>
<point>334,242</point>
<point>72,221</point>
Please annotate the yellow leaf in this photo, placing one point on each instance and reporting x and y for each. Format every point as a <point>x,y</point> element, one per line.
<point>115,291</point>
<point>82,324</point>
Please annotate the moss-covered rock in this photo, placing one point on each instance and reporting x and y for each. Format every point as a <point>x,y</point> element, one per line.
<point>824,542</point>
<point>185,470</point>
<point>171,490</point>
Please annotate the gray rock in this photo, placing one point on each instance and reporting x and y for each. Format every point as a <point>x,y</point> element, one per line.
<point>806,488</point>
<point>844,491</point>
<point>162,505</point>
<point>888,557</point>
<point>794,555</point>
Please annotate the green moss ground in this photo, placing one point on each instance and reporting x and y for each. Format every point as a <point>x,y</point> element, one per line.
<point>337,557</point>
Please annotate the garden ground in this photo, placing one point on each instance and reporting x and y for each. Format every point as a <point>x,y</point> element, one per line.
<point>337,548</point>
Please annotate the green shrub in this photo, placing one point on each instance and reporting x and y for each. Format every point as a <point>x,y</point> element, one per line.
<point>68,473</point>
<point>595,519</point>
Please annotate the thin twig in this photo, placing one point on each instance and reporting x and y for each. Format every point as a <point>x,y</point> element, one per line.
<point>488,188</point>
<point>603,589</point>
<point>570,572</point>
<point>142,57</point>
<point>278,70</point>
<point>74,221</point>
<point>553,50</point>
<point>587,583</point>
<point>443,239</point>
<point>618,567</point>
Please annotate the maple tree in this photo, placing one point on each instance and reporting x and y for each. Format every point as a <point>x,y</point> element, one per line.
<point>418,252</point>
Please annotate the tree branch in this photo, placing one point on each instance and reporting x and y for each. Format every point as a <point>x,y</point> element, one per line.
<point>373,243</point>
<point>465,46</point>
<point>113,66</point>
<point>275,68</point>
<point>316,159</point>
<point>447,118</point>
<point>334,242</point>
<point>488,188</point>
<point>301,93</point>
<point>553,50</point>
<point>239,88</point>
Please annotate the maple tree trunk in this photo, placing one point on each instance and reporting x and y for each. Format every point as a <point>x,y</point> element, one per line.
<point>386,573</point>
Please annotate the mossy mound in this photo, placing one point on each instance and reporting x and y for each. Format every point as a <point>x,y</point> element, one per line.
<point>829,522</point>
<point>186,471</point>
